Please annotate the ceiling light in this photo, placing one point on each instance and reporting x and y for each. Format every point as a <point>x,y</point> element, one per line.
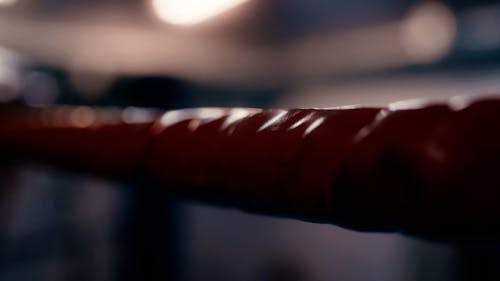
<point>190,12</point>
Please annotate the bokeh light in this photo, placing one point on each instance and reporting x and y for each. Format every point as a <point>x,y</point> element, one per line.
<point>7,2</point>
<point>429,32</point>
<point>189,12</point>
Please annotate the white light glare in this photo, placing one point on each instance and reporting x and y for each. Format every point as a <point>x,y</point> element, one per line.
<point>7,2</point>
<point>189,12</point>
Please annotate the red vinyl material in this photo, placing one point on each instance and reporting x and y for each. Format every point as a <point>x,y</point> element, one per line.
<point>430,170</point>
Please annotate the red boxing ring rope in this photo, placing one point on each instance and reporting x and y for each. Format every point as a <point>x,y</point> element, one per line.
<point>430,170</point>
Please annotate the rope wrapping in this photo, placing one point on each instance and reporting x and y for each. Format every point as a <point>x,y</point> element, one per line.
<point>429,170</point>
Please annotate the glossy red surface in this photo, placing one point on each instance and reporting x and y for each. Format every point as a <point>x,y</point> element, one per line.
<point>426,170</point>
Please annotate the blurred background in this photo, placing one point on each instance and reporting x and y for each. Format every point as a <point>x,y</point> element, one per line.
<point>167,54</point>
